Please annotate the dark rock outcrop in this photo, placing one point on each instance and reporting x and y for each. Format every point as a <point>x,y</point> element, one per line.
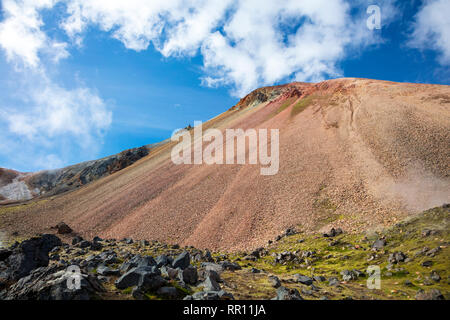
<point>29,255</point>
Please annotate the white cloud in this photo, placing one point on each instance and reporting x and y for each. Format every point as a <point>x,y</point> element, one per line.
<point>56,111</point>
<point>244,43</point>
<point>55,124</point>
<point>432,29</point>
<point>21,36</point>
<point>49,122</point>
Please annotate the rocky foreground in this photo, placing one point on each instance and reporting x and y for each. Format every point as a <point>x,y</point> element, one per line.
<point>413,257</point>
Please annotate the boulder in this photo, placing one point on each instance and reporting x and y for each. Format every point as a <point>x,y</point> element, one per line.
<point>433,294</point>
<point>379,244</point>
<point>96,246</point>
<point>51,283</point>
<point>188,275</point>
<point>348,275</point>
<point>63,228</point>
<point>319,278</point>
<point>146,261</point>
<point>4,254</point>
<point>132,277</point>
<point>303,279</point>
<point>212,266</point>
<point>284,293</point>
<point>84,244</point>
<point>435,276</point>
<point>29,255</point>
<point>210,285</point>
<point>396,257</point>
<point>137,261</point>
<point>168,292</point>
<point>182,261</point>
<point>162,260</point>
<point>274,281</point>
<point>107,271</point>
<point>76,240</point>
<point>227,265</point>
<point>151,282</point>
<point>206,295</point>
<point>333,232</point>
<point>333,281</point>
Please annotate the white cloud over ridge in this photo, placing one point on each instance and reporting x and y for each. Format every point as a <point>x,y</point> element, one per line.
<point>432,29</point>
<point>244,43</point>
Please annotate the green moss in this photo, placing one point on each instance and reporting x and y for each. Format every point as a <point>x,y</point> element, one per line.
<point>180,288</point>
<point>285,105</point>
<point>19,207</point>
<point>352,252</point>
<point>127,290</point>
<point>302,105</point>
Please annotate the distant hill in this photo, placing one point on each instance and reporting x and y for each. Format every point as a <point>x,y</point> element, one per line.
<point>16,186</point>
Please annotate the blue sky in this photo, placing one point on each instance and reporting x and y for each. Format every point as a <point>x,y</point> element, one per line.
<point>85,79</point>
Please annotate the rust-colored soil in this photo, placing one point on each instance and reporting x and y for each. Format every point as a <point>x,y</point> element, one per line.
<point>354,153</point>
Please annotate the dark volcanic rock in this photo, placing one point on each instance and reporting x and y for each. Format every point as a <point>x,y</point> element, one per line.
<point>226,265</point>
<point>348,275</point>
<point>188,275</point>
<point>147,261</point>
<point>162,260</point>
<point>4,254</point>
<point>76,240</point>
<point>52,182</point>
<point>96,246</point>
<point>333,281</point>
<point>168,292</point>
<point>133,277</point>
<point>303,279</point>
<point>84,244</point>
<point>151,282</point>
<point>333,232</point>
<point>107,271</point>
<point>182,261</point>
<point>211,285</point>
<point>274,281</point>
<point>137,261</point>
<point>435,276</point>
<point>51,283</point>
<point>396,257</point>
<point>29,255</point>
<point>63,228</point>
<point>433,294</point>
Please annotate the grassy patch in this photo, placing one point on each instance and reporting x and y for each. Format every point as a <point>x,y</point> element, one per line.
<point>351,251</point>
<point>302,105</point>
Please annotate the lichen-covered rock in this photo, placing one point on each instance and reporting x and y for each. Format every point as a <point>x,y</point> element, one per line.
<point>284,293</point>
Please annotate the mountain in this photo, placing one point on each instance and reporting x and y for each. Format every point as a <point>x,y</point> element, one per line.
<point>17,186</point>
<point>356,154</point>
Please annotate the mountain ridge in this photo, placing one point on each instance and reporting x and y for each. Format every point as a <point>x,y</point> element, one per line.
<point>354,153</point>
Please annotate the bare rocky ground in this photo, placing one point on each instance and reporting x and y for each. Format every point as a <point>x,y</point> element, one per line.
<point>413,257</point>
